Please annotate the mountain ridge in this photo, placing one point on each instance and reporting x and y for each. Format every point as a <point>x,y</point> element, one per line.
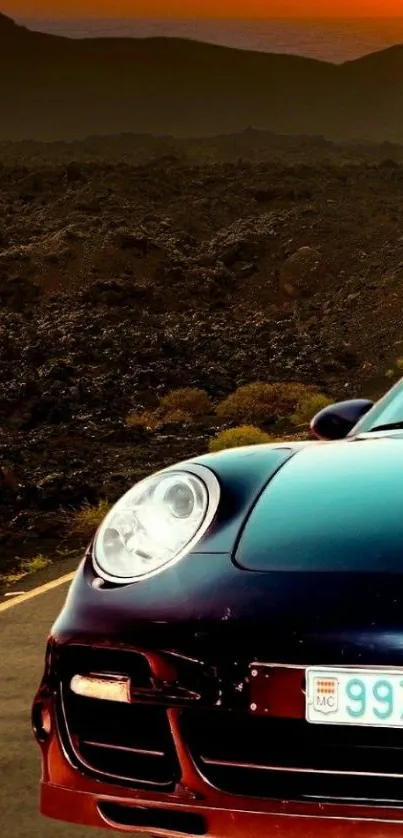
<point>7,24</point>
<point>56,88</point>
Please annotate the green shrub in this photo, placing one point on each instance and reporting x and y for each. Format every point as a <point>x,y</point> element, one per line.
<point>264,402</point>
<point>237,437</point>
<point>308,407</point>
<point>188,400</point>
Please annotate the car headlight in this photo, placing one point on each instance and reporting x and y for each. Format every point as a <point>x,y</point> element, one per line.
<point>155,524</point>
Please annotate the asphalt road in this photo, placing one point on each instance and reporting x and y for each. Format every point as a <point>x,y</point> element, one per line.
<point>23,631</point>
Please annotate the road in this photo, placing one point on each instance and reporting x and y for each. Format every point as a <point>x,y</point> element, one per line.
<point>23,630</point>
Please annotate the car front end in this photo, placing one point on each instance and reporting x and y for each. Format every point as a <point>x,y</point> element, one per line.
<point>209,692</point>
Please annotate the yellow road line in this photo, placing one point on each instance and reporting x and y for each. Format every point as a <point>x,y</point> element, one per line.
<point>62,580</point>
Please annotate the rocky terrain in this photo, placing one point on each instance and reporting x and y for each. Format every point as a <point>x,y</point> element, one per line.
<point>130,266</point>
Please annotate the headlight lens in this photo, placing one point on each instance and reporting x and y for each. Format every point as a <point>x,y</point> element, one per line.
<point>155,523</point>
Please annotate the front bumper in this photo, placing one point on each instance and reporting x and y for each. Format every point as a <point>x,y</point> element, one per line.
<point>187,793</point>
<point>187,755</point>
<point>68,795</point>
<point>214,817</point>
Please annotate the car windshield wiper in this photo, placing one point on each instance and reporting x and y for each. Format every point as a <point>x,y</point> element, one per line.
<point>390,426</point>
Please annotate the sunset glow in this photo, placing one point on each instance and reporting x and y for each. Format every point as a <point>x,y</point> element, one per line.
<point>203,8</point>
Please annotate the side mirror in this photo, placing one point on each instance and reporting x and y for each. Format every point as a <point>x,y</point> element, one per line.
<point>337,420</point>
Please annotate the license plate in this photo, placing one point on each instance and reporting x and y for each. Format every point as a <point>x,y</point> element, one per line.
<point>354,696</point>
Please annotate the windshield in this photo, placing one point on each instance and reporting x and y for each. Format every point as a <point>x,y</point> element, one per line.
<point>387,411</point>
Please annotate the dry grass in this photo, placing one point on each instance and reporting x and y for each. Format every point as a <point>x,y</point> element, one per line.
<point>8,478</point>
<point>177,417</point>
<point>308,408</point>
<point>396,370</point>
<point>26,567</point>
<point>84,522</point>
<point>187,400</point>
<point>264,402</point>
<point>150,420</point>
<point>176,408</point>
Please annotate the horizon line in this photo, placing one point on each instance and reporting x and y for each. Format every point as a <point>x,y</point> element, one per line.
<point>312,17</point>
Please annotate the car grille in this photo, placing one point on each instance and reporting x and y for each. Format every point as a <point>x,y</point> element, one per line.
<point>130,744</point>
<point>290,759</point>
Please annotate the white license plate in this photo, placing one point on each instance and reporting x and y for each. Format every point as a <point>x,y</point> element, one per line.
<point>354,696</point>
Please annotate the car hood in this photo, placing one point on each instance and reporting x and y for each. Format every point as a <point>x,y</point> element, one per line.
<point>334,507</point>
<point>329,514</point>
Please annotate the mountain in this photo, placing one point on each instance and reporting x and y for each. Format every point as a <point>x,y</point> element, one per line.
<point>59,88</point>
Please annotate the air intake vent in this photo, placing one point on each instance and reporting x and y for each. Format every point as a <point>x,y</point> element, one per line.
<point>174,821</point>
<point>290,759</point>
<point>129,744</point>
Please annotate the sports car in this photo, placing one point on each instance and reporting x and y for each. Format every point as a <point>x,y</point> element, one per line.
<point>229,658</point>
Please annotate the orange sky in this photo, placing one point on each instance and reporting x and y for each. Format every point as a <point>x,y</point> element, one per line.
<point>202,8</point>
